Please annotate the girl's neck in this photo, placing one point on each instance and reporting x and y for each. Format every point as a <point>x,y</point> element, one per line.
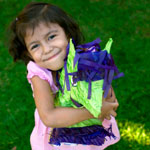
<point>54,77</point>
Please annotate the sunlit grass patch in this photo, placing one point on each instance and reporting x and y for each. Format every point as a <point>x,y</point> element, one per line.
<point>134,132</point>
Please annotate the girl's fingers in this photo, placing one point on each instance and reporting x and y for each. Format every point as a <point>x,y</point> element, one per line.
<point>115,108</point>
<point>112,92</point>
<point>108,117</point>
<point>113,113</point>
<point>113,96</point>
<point>110,99</point>
<point>117,104</point>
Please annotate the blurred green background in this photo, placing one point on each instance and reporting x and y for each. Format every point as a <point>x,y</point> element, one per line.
<point>128,23</point>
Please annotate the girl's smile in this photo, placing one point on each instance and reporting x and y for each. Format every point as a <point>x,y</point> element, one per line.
<point>53,56</point>
<point>46,45</point>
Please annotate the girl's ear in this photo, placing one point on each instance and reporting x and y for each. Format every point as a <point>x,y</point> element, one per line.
<point>29,55</point>
<point>68,38</point>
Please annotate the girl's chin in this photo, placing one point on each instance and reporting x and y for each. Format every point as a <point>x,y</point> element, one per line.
<point>57,67</point>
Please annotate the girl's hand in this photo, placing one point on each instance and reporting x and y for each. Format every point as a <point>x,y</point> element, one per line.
<point>110,96</point>
<point>107,110</point>
<point>109,106</point>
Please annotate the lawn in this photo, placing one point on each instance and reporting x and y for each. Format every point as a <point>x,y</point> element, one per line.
<point>127,22</point>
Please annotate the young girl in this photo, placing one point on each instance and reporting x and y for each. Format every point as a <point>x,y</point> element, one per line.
<point>41,33</point>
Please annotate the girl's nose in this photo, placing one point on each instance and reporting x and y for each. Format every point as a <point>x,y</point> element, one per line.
<point>47,48</point>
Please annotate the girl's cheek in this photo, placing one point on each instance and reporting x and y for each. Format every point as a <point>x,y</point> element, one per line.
<point>38,54</point>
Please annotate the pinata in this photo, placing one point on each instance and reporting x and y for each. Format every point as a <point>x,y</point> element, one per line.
<point>85,78</point>
<point>87,74</point>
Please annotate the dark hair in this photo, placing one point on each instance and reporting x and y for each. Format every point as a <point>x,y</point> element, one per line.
<point>33,14</point>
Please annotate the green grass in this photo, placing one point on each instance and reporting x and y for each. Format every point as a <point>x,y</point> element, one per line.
<point>127,22</point>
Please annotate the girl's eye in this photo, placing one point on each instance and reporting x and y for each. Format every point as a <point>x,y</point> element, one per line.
<point>34,46</point>
<point>51,37</point>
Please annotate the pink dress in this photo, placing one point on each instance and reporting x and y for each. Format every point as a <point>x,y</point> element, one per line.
<point>40,135</point>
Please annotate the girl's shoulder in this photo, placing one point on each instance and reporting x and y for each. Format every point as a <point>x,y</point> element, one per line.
<point>44,74</point>
<point>32,67</point>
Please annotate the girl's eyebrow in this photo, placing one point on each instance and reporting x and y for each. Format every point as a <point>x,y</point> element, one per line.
<point>50,32</point>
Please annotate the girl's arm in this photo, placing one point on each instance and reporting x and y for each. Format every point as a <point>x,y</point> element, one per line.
<point>50,115</point>
<point>60,116</point>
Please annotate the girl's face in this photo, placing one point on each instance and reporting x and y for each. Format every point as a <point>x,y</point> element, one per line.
<point>47,45</point>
